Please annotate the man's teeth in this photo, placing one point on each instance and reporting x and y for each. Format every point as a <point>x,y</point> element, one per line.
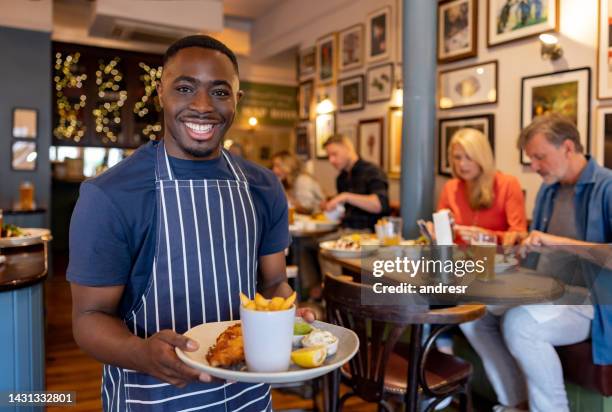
<point>200,128</point>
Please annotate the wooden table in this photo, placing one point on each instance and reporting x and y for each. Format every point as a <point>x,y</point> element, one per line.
<point>514,287</point>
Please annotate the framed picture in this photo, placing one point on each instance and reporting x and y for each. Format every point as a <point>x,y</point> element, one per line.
<point>468,86</point>
<point>449,126</point>
<point>370,141</point>
<point>325,127</point>
<point>302,144</point>
<point>327,59</point>
<point>379,36</point>
<point>509,20</point>
<point>23,155</point>
<point>25,123</point>
<point>394,156</point>
<point>566,92</point>
<point>305,97</point>
<point>399,6</point>
<point>351,47</point>
<point>307,61</point>
<point>457,29</point>
<point>379,84</point>
<point>604,51</point>
<point>350,93</point>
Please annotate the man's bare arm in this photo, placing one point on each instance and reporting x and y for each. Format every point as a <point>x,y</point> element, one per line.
<point>101,333</point>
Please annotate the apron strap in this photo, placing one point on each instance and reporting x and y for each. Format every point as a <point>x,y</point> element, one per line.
<point>163,171</point>
<point>236,170</point>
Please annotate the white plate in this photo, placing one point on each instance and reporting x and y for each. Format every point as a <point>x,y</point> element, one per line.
<point>346,253</point>
<point>32,236</point>
<point>206,335</point>
<point>501,266</point>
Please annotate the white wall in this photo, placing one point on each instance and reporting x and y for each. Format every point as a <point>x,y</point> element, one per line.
<point>299,24</point>
<point>578,28</point>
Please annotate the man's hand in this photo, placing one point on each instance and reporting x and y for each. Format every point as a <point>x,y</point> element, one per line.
<point>159,359</point>
<point>307,314</point>
<point>335,201</point>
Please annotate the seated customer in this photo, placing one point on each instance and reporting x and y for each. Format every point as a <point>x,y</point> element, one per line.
<point>572,214</point>
<point>481,198</point>
<point>303,191</point>
<point>362,186</point>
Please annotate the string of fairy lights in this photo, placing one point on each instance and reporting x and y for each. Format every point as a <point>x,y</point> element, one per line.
<point>112,95</point>
<point>69,126</point>
<point>107,115</point>
<point>142,107</point>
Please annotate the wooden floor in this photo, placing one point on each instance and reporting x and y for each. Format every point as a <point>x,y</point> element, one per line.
<point>70,369</point>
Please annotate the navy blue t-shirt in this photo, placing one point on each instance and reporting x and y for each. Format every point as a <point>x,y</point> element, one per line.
<point>113,231</point>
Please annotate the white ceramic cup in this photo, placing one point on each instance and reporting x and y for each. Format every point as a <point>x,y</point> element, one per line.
<point>267,338</point>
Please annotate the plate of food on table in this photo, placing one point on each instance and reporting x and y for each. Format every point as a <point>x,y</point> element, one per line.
<point>269,344</point>
<point>352,245</point>
<point>314,221</point>
<point>12,235</point>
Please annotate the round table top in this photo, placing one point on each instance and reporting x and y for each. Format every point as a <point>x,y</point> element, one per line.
<point>514,286</point>
<point>23,267</point>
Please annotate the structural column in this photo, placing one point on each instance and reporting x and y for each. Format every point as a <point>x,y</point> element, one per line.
<point>419,112</point>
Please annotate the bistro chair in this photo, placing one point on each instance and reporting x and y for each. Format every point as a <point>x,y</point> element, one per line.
<point>384,369</point>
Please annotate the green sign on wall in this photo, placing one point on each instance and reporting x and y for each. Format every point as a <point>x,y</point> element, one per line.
<point>271,104</point>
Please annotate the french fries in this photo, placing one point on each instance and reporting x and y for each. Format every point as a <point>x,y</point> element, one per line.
<point>267,305</point>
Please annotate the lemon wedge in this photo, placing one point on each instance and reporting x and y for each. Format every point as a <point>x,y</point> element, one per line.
<point>309,357</point>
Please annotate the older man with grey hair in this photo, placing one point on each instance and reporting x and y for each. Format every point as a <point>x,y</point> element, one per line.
<point>571,219</point>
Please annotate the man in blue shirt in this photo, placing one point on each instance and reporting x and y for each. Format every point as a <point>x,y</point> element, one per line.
<point>167,239</point>
<point>572,222</point>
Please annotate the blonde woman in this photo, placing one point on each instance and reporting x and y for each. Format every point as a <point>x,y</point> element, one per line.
<point>303,191</point>
<point>481,198</point>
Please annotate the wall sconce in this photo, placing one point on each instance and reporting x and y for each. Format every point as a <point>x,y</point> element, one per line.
<point>325,106</point>
<point>397,101</point>
<point>551,49</point>
<point>252,121</point>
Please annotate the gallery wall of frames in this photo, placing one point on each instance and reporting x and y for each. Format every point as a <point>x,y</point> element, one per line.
<point>494,75</point>
<point>356,65</point>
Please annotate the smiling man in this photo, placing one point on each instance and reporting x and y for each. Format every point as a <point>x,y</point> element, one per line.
<point>167,239</point>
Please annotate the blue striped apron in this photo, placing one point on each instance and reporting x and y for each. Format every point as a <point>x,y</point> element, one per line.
<point>205,253</point>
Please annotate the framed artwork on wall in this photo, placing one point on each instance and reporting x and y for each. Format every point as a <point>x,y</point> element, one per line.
<point>23,155</point>
<point>379,35</point>
<point>25,123</point>
<point>604,51</point>
<point>379,83</point>
<point>566,92</point>
<point>400,30</point>
<point>394,154</point>
<point>307,62</point>
<point>327,59</point>
<point>305,97</point>
<point>509,20</point>
<point>447,127</point>
<point>457,30</point>
<point>370,141</point>
<point>325,127</point>
<point>350,93</point>
<point>468,86</point>
<point>302,143</point>
<point>351,47</point>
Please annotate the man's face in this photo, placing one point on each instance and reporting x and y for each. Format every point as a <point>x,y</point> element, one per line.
<point>338,155</point>
<point>199,91</point>
<point>549,161</point>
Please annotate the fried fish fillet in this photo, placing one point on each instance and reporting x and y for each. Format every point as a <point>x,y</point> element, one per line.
<point>228,350</point>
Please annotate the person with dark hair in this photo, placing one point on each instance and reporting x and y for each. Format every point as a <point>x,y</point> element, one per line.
<point>571,232</point>
<point>167,239</point>
<point>362,186</point>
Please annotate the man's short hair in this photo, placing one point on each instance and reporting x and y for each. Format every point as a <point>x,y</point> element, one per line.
<point>339,139</point>
<point>203,41</point>
<point>555,127</point>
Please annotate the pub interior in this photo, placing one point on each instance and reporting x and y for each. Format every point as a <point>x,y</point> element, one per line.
<point>367,134</point>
